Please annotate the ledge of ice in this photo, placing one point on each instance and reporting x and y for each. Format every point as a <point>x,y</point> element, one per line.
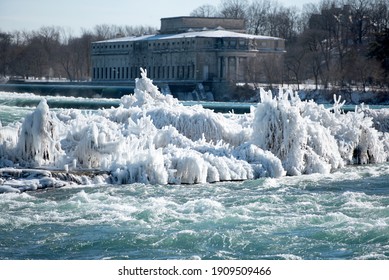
<point>152,138</point>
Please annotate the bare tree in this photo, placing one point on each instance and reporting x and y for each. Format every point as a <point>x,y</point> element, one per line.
<point>361,71</point>
<point>380,52</point>
<point>105,31</point>
<point>314,61</point>
<point>295,62</point>
<point>257,17</point>
<point>272,69</point>
<point>49,39</point>
<point>285,23</point>
<point>139,30</point>
<point>75,57</point>
<point>5,48</point>
<point>205,11</point>
<point>234,8</point>
<point>379,15</point>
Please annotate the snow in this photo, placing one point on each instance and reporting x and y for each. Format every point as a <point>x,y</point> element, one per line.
<point>153,139</point>
<point>190,34</point>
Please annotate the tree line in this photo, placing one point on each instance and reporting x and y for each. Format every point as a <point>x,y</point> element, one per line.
<point>341,43</point>
<point>54,52</point>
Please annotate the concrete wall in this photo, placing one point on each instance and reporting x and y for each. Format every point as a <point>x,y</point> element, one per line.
<point>182,24</point>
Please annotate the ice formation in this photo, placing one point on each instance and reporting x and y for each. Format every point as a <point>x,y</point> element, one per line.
<point>153,138</point>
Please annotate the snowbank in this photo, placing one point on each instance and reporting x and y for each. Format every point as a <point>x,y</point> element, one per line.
<point>152,138</point>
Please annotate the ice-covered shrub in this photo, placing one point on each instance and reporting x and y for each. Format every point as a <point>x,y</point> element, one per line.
<point>39,142</point>
<point>309,138</point>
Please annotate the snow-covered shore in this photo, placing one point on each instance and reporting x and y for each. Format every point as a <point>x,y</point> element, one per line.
<point>352,97</point>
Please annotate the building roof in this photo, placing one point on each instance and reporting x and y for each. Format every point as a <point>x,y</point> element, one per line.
<point>218,33</point>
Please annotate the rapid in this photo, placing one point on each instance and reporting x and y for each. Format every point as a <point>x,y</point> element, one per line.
<point>154,179</point>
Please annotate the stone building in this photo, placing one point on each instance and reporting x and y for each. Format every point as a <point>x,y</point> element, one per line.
<point>190,50</point>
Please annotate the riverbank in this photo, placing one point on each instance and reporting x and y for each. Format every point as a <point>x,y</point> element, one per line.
<point>349,96</point>
<point>189,92</point>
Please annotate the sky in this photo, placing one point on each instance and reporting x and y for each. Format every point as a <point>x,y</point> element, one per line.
<point>76,15</point>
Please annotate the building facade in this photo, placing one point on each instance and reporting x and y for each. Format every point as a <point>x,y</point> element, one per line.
<point>188,49</point>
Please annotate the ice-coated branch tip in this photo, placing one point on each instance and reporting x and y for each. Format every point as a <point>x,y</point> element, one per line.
<point>143,73</point>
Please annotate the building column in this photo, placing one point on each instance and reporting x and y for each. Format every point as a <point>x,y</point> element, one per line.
<point>219,67</point>
<point>231,68</point>
<point>225,67</point>
<point>236,68</point>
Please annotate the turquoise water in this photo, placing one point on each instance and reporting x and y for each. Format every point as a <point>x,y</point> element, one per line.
<point>344,215</point>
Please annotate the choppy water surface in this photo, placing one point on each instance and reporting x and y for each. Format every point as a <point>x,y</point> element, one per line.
<point>344,215</point>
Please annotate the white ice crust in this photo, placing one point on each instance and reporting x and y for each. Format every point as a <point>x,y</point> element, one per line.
<point>152,138</point>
